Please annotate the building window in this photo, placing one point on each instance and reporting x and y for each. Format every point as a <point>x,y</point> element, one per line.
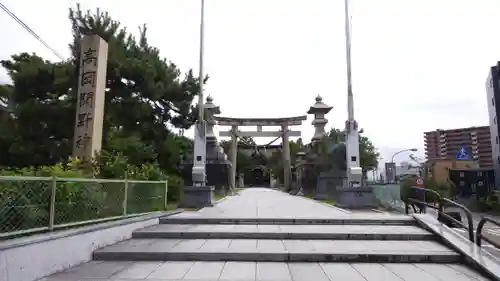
<point>496,139</point>
<point>495,120</point>
<point>493,101</point>
<point>353,158</point>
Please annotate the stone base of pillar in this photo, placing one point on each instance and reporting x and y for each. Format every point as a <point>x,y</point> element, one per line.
<point>355,198</point>
<point>197,197</point>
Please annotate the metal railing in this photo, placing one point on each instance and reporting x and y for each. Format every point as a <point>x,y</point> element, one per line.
<point>441,203</point>
<point>39,204</point>
<point>479,232</point>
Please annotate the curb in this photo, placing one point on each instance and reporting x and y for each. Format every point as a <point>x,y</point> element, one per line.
<point>379,211</point>
<point>326,204</point>
<point>220,200</point>
<point>284,256</point>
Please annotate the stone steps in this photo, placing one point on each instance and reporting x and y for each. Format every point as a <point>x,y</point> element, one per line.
<point>282,232</point>
<point>344,238</point>
<point>278,251</point>
<point>340,220</point>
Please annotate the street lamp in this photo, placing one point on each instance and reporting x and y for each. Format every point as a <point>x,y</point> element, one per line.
<point>404,150</point>
<point>392,167</point>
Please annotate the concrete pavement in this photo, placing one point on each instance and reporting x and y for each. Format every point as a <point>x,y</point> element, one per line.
<point>307,241</point>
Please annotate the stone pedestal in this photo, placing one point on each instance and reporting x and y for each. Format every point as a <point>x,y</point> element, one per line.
<point>328,184</point>
<point>355,198</point>
<point>197,197</point>
<point>332,185</point>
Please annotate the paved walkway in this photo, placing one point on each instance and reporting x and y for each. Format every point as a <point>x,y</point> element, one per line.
<point>265,203</point>
<point>268,203</point>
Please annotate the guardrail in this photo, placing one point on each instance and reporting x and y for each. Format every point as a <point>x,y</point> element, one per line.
<point>441,202</point>
<point>479,232</point>
<point>39,204</point>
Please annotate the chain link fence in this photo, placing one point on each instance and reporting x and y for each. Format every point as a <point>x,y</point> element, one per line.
<point>38,204</point>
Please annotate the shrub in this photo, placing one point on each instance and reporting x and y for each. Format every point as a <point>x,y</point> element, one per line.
<point>25,203</point>
<point>175,184</point>
<point>442,189</point>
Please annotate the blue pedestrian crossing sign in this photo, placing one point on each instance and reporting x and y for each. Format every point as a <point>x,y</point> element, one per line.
<point>462,154</point>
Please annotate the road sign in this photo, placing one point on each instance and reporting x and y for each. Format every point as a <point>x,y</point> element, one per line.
<point>462,154</point>
<point>419,182</point>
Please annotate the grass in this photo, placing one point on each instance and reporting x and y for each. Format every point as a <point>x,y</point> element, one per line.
<point>171,206</point>
<point>218,197</point>
<point>174,206</point>
<point>327,201</point>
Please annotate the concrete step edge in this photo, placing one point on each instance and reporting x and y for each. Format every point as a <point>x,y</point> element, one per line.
<point>283,236</point>
<point>286,221</point>
<point>278,257</point>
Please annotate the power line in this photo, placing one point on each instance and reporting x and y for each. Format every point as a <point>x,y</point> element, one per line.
<point>27,28</point>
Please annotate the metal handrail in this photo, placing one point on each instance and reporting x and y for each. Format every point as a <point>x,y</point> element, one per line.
<point>441,201</point>
<point>468,213</point>
<point>479,232</point>
<point>416,201</point>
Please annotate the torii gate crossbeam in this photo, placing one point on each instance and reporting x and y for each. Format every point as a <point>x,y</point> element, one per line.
<point>284,133</point>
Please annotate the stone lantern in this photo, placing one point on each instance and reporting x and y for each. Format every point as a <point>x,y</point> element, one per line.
<point>210,111</point>
<point>319,110</point>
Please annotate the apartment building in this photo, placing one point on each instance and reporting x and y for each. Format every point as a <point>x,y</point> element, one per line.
<point>493,99</point>
<point>445,144</point>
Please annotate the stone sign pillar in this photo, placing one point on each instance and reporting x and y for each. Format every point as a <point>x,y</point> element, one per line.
<point>90,97</point>
<point>287,166</point>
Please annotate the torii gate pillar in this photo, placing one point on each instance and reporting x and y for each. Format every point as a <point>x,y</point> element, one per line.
<point>234,156</point>
<point>287,165</point>
<point>285,134</point>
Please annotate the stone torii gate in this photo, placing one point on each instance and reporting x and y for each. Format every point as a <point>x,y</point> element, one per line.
<point>285,133</point>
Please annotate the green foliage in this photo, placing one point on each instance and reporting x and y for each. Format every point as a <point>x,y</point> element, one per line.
<point>408,182</point>
<point>244,159</point>
<point>368,153</point>
<point>275,162</point>
<point>25,203</point>
<point>144,93</point>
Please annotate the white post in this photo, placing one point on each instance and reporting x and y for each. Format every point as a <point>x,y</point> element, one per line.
<point>355,174</point>
<point>200,138</point>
